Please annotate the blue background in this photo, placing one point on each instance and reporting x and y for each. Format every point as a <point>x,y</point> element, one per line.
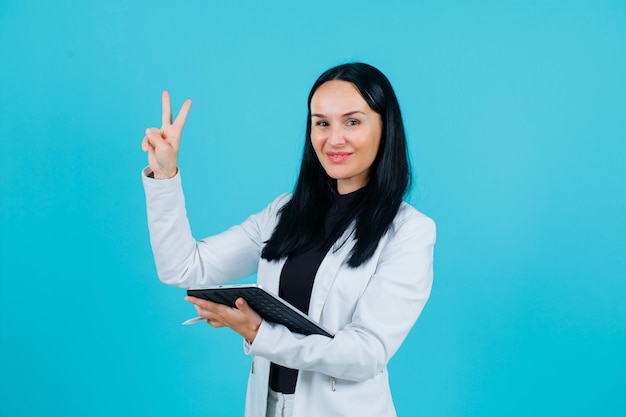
<point>516,116</point>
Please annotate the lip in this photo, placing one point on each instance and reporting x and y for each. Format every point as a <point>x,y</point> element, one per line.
<point>338,157</point>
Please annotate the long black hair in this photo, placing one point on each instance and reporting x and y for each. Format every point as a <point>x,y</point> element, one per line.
<point>301,224</point>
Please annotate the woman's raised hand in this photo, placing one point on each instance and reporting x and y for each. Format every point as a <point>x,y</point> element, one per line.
<point>162,144</point>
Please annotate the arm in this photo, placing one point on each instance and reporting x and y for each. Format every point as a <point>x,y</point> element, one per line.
<point>181,260</point>
<point>382,318</point>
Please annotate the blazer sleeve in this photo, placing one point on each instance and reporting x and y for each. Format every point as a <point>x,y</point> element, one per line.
<point>184,262</point>
<point>383,316</point>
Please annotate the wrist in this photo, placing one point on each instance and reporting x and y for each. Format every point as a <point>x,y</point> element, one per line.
<point>165,175</point>
<point>252,333</point>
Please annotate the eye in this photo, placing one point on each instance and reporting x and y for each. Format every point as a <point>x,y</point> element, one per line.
<point>353,122</point>
<point>321,123</point>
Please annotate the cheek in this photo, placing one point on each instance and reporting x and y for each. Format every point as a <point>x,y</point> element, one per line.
<point>375,149</point>
<point>317,143</point>
<point>373,145</point>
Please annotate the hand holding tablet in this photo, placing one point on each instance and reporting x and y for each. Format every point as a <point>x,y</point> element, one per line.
<point>269,306</point>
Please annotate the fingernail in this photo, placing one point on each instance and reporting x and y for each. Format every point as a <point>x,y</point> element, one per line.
<point>148,132</point>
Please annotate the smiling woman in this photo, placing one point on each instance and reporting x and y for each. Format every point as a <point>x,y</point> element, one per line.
<point>345,134</point>
<point>343,248</point>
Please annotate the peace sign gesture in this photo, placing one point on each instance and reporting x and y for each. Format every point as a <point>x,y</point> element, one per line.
<point>162,144</point>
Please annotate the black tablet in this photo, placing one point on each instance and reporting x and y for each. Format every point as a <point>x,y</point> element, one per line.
<point>269,306</point>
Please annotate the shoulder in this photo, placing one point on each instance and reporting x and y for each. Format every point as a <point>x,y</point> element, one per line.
<point>271,212</point>
<point>410,221</point>
<point>279,202</point>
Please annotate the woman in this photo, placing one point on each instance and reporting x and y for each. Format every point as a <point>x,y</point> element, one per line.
<point>344,248</point>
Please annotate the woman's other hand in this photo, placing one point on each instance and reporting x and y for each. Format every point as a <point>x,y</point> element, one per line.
<point>241,318</point>
<point>162,144</point>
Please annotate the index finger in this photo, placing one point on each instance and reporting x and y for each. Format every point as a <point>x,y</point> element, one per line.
<point>182,115</point>
<point>166,118</point>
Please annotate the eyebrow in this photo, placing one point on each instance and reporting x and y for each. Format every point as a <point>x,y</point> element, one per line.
<point>343,115</point>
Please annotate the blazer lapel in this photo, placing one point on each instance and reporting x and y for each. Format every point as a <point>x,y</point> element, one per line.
<point>328,271</point>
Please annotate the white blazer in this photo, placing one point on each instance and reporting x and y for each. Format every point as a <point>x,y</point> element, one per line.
<point>371,309</point>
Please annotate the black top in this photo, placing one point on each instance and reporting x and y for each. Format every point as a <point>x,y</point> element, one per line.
<point>296,283</point>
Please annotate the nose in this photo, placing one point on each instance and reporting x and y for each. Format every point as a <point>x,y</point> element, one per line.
<point>336,137</point>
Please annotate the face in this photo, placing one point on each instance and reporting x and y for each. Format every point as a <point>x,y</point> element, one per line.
<point>345,133</point>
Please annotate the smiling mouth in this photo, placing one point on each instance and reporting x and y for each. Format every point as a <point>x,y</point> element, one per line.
<point>338,157</point>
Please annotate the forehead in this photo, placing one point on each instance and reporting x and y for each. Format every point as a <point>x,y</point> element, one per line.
<point>337,96</point>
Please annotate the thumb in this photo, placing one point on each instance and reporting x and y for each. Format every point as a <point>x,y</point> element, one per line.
<point>153,135</point>
<point>242,304</point>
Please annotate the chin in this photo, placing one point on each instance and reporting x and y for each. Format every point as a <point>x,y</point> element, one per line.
<point>336,174</point>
